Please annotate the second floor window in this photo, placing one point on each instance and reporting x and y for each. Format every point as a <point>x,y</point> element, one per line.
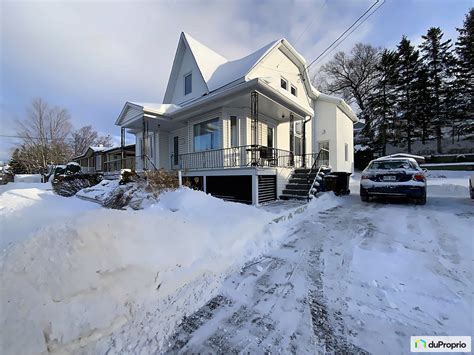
<point>293,90</point>
<point>284,83</point>
<point>188,83</point>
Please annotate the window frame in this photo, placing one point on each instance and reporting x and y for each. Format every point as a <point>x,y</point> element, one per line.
<point>236,127</point>
<point>346,151</point>
<point>98,162</point>
<point>219,133</point>
<point>272,130</point>
<point>282,79</point>
<point>188,75</point>
<point>295,89</point>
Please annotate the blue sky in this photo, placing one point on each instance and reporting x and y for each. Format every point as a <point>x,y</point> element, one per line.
<point>90,57</point>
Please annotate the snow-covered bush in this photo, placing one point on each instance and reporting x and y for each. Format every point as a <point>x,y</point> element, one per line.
<point>161,180</point>
<point>69,185</point>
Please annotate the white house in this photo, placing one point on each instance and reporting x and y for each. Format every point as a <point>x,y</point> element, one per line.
<point>240,128</point>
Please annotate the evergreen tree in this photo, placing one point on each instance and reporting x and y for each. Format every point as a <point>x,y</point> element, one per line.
<point>422,105</point>
<point>407,68</point>
<point>439,62</point>
<point>464,83</point>
<point>16,164</point>
<point>381,107</point>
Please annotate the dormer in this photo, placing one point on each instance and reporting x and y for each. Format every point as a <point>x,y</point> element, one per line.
<point>193,65</point>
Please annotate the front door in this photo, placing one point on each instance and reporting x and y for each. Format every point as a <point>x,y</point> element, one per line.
<point>176,150</point>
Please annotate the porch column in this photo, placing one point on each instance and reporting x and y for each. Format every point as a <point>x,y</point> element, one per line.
<point>254,126</point>
<point>292,139</point>
<point>303,148</point>
<point>122,147</point>
<point>144,139</point>
<point>255,188</point>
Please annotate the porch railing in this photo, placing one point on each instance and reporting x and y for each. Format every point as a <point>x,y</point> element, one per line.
<point>118,164</point>
<point>242,156</point>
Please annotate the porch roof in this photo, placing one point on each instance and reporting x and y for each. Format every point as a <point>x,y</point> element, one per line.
<point>167,116</point>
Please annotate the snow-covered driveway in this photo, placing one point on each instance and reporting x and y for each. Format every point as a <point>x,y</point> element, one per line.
<point>354,278</point>
<point>341,276</point>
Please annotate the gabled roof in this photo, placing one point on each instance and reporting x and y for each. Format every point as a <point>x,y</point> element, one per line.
<point>239,68</point>
<point>218,73</point>
<point>215,69</point>
<point>206,59</point>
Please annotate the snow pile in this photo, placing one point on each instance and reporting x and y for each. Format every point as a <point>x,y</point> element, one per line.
<point>448,183</point>
<point>99,192</point>
<point>93,273</point>
<point>29,178</point>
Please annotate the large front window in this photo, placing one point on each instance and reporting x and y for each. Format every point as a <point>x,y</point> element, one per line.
<point>206,135</point>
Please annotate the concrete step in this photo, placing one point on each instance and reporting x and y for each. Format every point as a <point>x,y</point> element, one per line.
<point>293,197</point>
<point>299,181</point>
<point>301,171</point>
<point>304,175</point>
<point>292,186</point>
<point>295,192</point>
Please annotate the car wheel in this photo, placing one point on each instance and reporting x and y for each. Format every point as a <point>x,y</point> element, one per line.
<point>364,198</point>
<point>421,200</point>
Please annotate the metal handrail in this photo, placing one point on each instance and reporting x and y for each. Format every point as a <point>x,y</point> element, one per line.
<point>313,168</point>
<point>151,161</point>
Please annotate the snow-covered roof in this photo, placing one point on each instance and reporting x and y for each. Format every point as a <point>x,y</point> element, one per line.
<point>216,70</point>
<point>207,60</point>
<point>161,109</point>
<point>233,70</point>
<point>98,149</point>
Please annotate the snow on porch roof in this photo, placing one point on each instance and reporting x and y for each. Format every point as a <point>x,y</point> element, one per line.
<point>160,109</point>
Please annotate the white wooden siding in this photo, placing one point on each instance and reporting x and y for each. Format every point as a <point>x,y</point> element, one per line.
<point>277,65</point>
<point>164,150</point>
<point>130,112</point>
<point>188,65</point>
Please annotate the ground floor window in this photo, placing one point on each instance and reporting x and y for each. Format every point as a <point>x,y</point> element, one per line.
<point>206,135</point>
<point>98,162</point>
<point>233,131</point>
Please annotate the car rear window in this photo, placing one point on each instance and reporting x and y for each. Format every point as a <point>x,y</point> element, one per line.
<point>390,165</point>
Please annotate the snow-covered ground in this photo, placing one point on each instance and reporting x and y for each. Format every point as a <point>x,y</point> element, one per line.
<point>73,273</point>
<point>339,276</point>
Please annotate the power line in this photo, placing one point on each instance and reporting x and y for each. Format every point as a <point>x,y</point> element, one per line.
<point>343,33</point>
<point>306,29</point>
<point>36,138</point>
<point>355,28</point>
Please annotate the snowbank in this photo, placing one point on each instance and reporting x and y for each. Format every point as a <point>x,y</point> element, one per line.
<point>448,183</point>
<point>74,282</point>
<point>30,178</point>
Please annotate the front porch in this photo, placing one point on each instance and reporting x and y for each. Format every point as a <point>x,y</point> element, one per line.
<point>243,157</point>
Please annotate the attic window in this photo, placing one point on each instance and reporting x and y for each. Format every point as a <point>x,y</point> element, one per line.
<point>188,83</point>
<point>293,90</point>
<point>284,83</point>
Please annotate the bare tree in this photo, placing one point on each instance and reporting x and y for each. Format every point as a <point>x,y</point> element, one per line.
<point>85,137</point>
<point>351,76</point>
<point>44,134</point>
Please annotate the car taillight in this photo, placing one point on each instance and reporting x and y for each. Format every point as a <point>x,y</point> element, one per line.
<point>365,177</point>
<point>419,177</point>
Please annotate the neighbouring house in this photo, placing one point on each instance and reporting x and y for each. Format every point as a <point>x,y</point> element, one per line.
<point>107,159</point>
<point>240,129</point>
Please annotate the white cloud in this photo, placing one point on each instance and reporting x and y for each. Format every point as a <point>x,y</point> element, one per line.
<point>92,56</point>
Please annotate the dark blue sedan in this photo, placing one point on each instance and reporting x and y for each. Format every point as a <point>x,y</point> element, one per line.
<point>393,177</point>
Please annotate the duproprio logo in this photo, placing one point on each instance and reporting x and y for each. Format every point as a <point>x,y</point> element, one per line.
<point>435,344</point>
<point>420,343</point>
